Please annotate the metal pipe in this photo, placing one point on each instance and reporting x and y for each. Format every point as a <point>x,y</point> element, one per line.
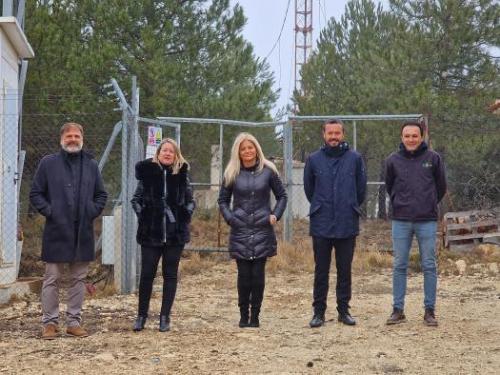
<point>288,169</point>
<point>357,117</point>
<point>354,135</point>
<point>221,177</point>
<point>178,135</point>
<point>208,249</point>
<point>104,158</point>
<point>221,121</point>
<point>20,13</point>
<point>157,122</point>
<point>8,8</point>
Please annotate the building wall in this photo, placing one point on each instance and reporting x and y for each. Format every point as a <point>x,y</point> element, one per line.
<point>8,160</point>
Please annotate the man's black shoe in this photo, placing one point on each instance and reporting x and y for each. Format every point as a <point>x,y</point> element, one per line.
<point>243,317</point>
<point>317,321</point>
<point>346,318</point>
<point>243,323</point>
<point>397,316</point>
<point>254,322</point>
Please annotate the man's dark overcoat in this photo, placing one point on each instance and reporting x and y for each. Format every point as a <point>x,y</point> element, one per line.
<point>52,194</point>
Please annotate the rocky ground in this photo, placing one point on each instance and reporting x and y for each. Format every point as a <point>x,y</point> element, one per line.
<point>205,337</point>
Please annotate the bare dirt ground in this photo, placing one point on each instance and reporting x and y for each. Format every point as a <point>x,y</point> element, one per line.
<point>205,337</point>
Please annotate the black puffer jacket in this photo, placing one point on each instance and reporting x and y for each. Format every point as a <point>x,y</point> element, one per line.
<point>163,213</point>
<point>252,235</point>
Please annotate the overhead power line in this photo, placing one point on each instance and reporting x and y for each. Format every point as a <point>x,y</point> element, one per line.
<point>281,31</point>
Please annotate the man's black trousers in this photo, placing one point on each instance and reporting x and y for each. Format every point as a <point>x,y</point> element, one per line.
<point>344,251</point>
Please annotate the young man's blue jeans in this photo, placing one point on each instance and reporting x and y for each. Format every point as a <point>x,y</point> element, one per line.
<point>402,235</point>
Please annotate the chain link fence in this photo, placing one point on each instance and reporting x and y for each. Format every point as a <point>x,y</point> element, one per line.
<point>206,145</point>
<point>22,226</point>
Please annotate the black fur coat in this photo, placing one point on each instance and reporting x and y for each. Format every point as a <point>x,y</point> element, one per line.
<point>162,219</point>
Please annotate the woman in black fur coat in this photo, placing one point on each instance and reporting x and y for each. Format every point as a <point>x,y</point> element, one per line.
<point>163,202</point>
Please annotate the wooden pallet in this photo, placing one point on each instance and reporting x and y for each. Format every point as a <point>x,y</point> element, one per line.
<point>470,227</point>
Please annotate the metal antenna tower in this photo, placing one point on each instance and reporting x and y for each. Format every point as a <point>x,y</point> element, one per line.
<point>303,37</point>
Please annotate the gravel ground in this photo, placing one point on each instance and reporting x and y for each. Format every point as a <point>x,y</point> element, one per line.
<point>205,337</point>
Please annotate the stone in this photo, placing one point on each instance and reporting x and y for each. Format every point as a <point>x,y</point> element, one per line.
<point>493,268</point>
<point>461,266</point>
<point>106,357</point>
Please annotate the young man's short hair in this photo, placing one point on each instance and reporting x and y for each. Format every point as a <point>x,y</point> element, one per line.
<point>413,123</point>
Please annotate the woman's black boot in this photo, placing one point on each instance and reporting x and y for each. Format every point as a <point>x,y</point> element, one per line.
<point>254,318</point>
<point>164,323</point>
<point>139,323</point>
<point>243,317</point>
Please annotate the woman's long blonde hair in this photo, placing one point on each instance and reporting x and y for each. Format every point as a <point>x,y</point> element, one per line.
<point>234,165</point>
<point>178,159</point>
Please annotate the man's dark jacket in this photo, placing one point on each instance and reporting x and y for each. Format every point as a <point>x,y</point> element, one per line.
<point>335,185</point>
<point>52,194</point>
<point>416,183</point>
<point>252,235</point>
<point>163,203</point>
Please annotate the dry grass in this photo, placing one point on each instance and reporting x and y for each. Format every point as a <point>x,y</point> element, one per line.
<point>291,259</point>
<point>104,290</point>
<point>195,263</point>
<point>370,261</point>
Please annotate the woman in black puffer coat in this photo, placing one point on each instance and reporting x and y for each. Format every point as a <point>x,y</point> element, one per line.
<point>163,202</point>
<point>249,179</point>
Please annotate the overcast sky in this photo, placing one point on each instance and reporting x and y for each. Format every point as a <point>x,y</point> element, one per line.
<point>265,19</point>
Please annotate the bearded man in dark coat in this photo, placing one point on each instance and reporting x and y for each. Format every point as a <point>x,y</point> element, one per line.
<point>68,190</point>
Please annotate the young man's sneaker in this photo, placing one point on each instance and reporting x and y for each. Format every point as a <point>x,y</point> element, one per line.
<point>49,332</point>
<point>430,318</point>
<point>396,317</point>
<point>76,331</point>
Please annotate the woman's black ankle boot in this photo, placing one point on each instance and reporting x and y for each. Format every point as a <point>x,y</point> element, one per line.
<point>164,323</point>
<point>139,323</point>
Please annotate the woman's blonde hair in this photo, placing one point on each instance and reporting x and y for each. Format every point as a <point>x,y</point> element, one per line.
<point>178,158</point>
<point>234,165</point>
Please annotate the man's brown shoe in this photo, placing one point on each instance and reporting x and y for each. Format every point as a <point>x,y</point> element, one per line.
<point>397,317</point>
<point>76,331</point>
<point>429,318</point>
<point>49,332</point>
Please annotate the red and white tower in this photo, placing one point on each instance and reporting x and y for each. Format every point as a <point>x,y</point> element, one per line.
<point>303,37</point>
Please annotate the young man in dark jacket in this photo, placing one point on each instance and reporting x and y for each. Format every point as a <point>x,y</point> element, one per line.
<point>68,190</point>
<point>416,182</point>
<point>335,185</point>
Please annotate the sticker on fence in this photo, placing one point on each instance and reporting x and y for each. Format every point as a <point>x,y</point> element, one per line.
<point>154,139</point>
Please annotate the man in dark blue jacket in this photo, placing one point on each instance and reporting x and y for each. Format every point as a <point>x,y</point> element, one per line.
<point>416,182</point>
<point>68,190</point>
<point>335,185</point>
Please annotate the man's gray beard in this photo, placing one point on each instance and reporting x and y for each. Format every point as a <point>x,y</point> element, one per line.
<point>72,149</point>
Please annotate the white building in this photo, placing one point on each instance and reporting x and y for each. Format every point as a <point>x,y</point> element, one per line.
<point>14,47</point>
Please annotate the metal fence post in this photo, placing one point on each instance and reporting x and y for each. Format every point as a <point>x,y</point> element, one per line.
<point>354,135</point>
<point>288,169</point>
<point>125,254</point>
<point>178,135</point>
<point>221,153</point>
<point>134,158</point>
<point>129,155</point>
